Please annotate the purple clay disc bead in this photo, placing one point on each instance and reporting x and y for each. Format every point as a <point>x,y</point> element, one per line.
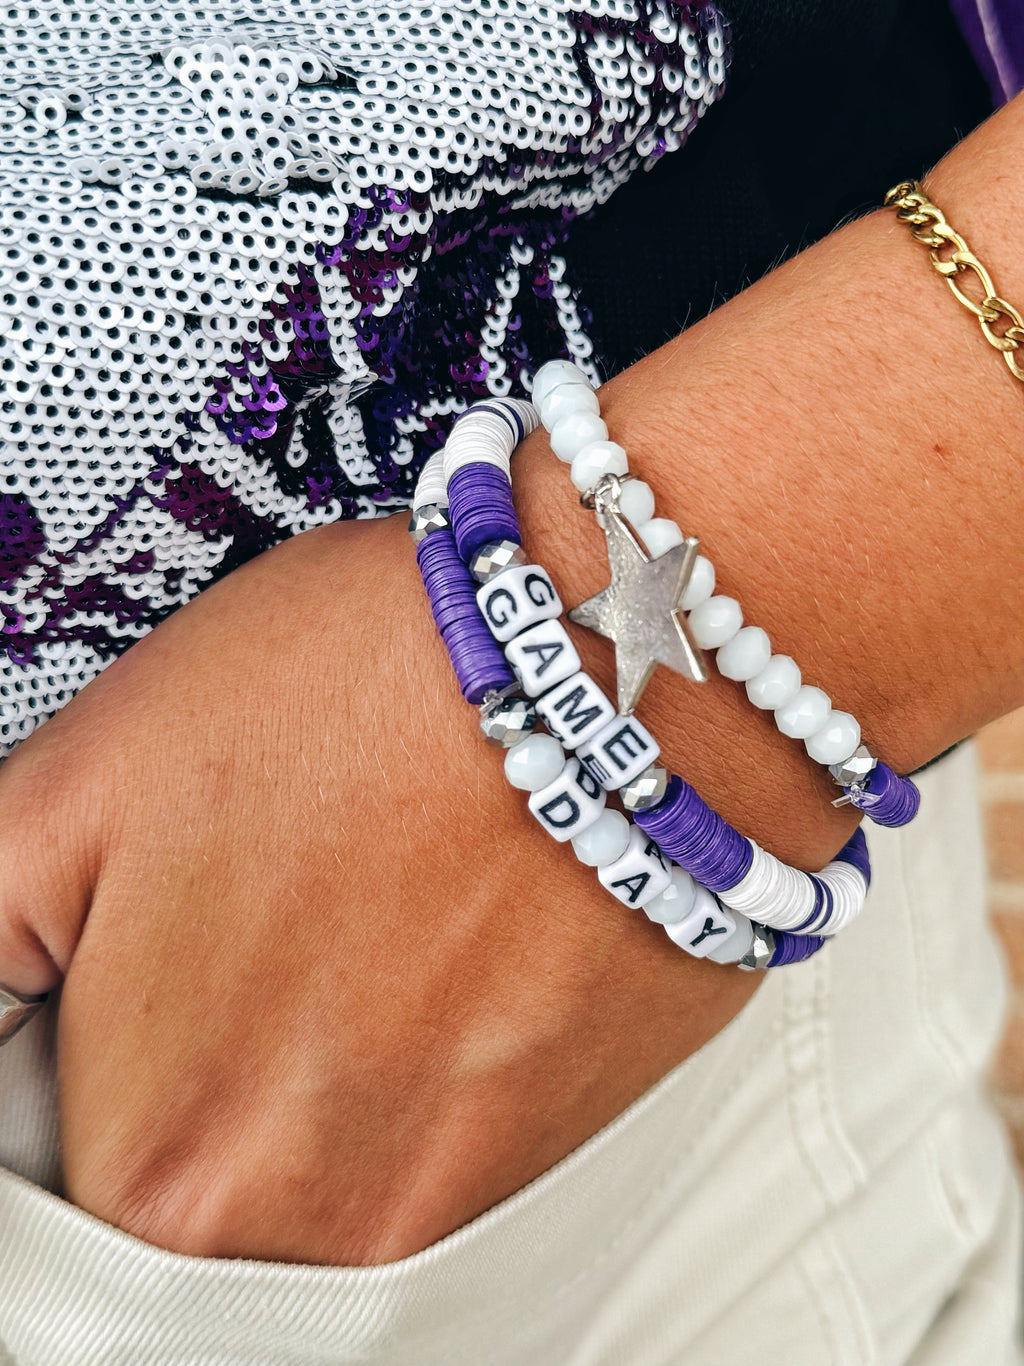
<point>793,948</point>
<point>481,510</point>
<point>855,851</point>
<point>894,800</point>
<point>476,657</point>
<point>697,838</point>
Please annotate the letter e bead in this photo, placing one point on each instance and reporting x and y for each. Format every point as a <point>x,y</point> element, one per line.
<point>518,597</point>
<point>619,752</point>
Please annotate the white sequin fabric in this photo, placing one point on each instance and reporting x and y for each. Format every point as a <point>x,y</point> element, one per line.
<point>253,258</point>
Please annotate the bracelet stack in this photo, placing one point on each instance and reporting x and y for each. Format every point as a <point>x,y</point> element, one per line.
<point>716,894</point>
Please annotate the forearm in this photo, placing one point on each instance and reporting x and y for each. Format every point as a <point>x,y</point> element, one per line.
<point>851,453</point>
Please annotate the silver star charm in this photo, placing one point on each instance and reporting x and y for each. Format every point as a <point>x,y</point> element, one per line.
<point>639,610</point>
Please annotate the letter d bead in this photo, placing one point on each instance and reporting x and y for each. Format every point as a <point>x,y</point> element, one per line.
<point>569,805</point>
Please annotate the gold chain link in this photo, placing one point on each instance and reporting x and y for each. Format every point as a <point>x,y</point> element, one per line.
<point>1001,325</point>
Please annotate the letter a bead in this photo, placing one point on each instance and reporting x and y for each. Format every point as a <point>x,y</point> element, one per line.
<point>542,657</point>
<point>570,804</point>
<point>641,874</point>
<point>517,598</point>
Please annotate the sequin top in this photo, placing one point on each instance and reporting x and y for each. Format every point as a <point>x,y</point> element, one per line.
<point>255,256</point>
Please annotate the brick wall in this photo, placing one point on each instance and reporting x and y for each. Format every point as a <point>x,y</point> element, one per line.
<point>1001,748</point>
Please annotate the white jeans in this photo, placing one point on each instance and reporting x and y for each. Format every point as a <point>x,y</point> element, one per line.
<point>823,1184</point>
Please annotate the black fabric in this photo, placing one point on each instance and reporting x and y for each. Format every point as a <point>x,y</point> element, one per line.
<point>827,105</point>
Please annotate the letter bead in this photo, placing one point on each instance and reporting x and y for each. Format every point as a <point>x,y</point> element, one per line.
<point>542,656</point>
<point>575,710</point>
<point>619,752</point>
<point>517,598</point>
<point>570,804</point>
<point>707,925</point>
<point>641,874</point>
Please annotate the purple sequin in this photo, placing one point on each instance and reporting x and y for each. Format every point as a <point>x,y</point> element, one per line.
<point>481,509</point>
<point>479,664</point>
<point>697,838</point>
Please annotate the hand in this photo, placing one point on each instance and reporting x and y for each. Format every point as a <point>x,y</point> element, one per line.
<point>330,992</point>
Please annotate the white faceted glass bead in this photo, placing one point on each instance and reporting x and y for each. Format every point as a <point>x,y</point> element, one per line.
<point>636,501</point>
<point>777,683</point>
<point>619,752</point>
<point>574,431</point>
<point>574,397</point>
<point>575,710</point>
<point>534,763</point>
<point>516,599</point>
<point>706,926</point>
<point>806,713</point>
<point>595,460</point>
<point>734,946</point>
<point>676,901</point>
<point>604,841</point>
<point>542,656</point>
<point>567,806</point>
<point>715,622</point>
<point>551,374</point>
<point>745,655</point>
<point>640,874</point>
<point>836,740</point>
<point>701,585</point>
<point>658,535</point>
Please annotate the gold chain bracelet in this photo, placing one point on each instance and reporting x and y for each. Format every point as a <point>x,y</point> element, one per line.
<point>1001,324</point>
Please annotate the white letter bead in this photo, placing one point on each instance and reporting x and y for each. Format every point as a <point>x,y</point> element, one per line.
<point>806,713</point>
<point>570,804</point>
<point>658,535</point>
<point>595,460</point>
<point>776,684</point>
<point>574,431</point>
<point>835,741</point>
<point>553,373</point>
<point>619,752</point>
<point>707,926</point>
<point>640,874</point>
<point>575,710</point>
<point>701,585</point>
<point>576,396</point>
<point>675,902</point>
<point>636,501</point>
<point>604,841</point>
<point>715,622</point>
<point>517,598</point>
<point>745,655</point>
<point>534,763</point>
<point>732,948</point>
<point>542,656</point>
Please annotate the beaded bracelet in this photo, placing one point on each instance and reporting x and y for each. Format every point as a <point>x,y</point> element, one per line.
<point>569,409</point>
<point>518,603</point>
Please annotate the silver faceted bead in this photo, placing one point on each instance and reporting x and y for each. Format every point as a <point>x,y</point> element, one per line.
<point>853,771</point>
<point>507,720</point>
<point>424,520</point>
<point>759,955</point>
<point>493,557</point>
<point>646,789</point>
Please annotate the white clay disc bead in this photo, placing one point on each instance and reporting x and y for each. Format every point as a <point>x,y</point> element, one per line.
<point>604,841</point>
<point>836,740</point>
<point>535,762</point>
<point>806,713</point>
<point>715,622</point>
<point>745,655</point>
<point>551,374</point>
<point>658,535</point>
<point>777,683</point>
<point>574,397</point>
<point>636,501</point>
<point>675,902</point>
<point>595,460</point>
<point>701,585</point>
<point>432,485</point>
<point>574,431</point>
